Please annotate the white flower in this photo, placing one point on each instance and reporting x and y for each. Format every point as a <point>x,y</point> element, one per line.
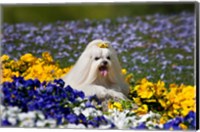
<point>89,111</point>
<point>3,115</point>
<point>10,112</point>
<point>40,115</point>
<point>2,108</point>
<point>151,125</point>
<point>44,123</point>
<point>82,105</point>
<point>31,114</point>
<point>99,113</point>
<point>40,124</point>
<point>81,126</point>
<point>77,110</point>
<point>90,126</point>
<point>15,109</point>
<point>27,123</point>
<point>79,99</point>
<point>74,126</point>
<point>26,116</point>
<point>160,126</point>
<point>51,123</point>
<point>70,126</point>
<point>12,120</point>
<point>104,126</point>
<point>22,116</point>
<point>124,121</point>
<point>119,118</point>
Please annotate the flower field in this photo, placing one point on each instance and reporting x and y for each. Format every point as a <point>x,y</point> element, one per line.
<point>155,51</point>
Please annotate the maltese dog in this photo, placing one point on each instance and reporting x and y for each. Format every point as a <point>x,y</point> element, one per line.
<point>98,71</point>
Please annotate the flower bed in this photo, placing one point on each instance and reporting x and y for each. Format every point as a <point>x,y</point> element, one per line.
<point>156,52</point>
<point>28,101</point>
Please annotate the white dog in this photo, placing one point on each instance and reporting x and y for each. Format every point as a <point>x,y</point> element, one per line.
<point>98,71</point>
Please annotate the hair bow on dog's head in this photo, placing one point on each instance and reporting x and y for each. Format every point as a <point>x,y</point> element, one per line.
<point>103,45</point>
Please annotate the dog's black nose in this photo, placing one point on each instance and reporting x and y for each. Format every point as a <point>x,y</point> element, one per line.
<point>105,62</point>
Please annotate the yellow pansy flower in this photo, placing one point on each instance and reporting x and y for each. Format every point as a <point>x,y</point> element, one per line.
<point>28,58</point>
<point>118,105</point>
<point>187,106</point>
<point>16,74</point>
<point>146,90</point>
<point>115,105</point>
<point>163,103</point>
<point>128,78</point>
<point>124,71</point>
<point>142,110</point>
<point>67,69</point>
<point>110,105</point>
<point>7,74</point>
<point>189,92</point>
<point>170,114</point>
<point>31,67</point>
<point>5,58</point>
<point>183,126</point>
<point>179,100</point>
<point>175,112</point>
<point>150,100</point>
<point>160,89</point>
<point>47,56</point>
<point>163,119</point>
<point>176,106</point>
<point>137,101</point>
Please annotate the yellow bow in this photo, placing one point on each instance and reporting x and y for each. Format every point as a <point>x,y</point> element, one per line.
<point>103,45</point>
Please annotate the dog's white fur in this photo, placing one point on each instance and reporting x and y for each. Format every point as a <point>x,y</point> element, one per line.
<point>86,75</point>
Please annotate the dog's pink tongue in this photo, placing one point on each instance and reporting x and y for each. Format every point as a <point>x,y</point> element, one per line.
<point>104,72</point>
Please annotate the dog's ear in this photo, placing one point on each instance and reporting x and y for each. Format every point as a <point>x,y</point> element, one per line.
<point>116,74</point>
<point>80,71</point>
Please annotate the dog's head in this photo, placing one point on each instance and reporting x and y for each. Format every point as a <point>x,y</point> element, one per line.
<point>98,64</point>
<point>101,58</point>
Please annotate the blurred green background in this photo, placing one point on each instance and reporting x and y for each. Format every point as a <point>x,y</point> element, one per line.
<point>52,12</point>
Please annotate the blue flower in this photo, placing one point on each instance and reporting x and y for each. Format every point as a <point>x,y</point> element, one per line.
<point>5,123</point>
<point>174,123</point>
<point>71,118</point>
<point>94,98</point>
<point>69,89</point>
<point>36,83</point>
<point>6,89</point>
<point>93,123</point>
<point>88,104</point>
<point>60,82</point>
<point>168,125</point>
<point>40,102</point>
<point>65,110</point>
<point>175,127</point>
<point>100,120</point>
<point>29,84</point>
<point>50,98</point>
<point>59,118</point>
<point>141,126</point>
<point>190,118</point>
<point>178,120</point>
<point>49,88</point>
<point>82,119</point>
<point>32,106</point>
<point>79,94</point>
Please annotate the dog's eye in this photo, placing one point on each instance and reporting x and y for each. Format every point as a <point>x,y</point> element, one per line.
<point>96,58</point>
<point>108,57</point>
